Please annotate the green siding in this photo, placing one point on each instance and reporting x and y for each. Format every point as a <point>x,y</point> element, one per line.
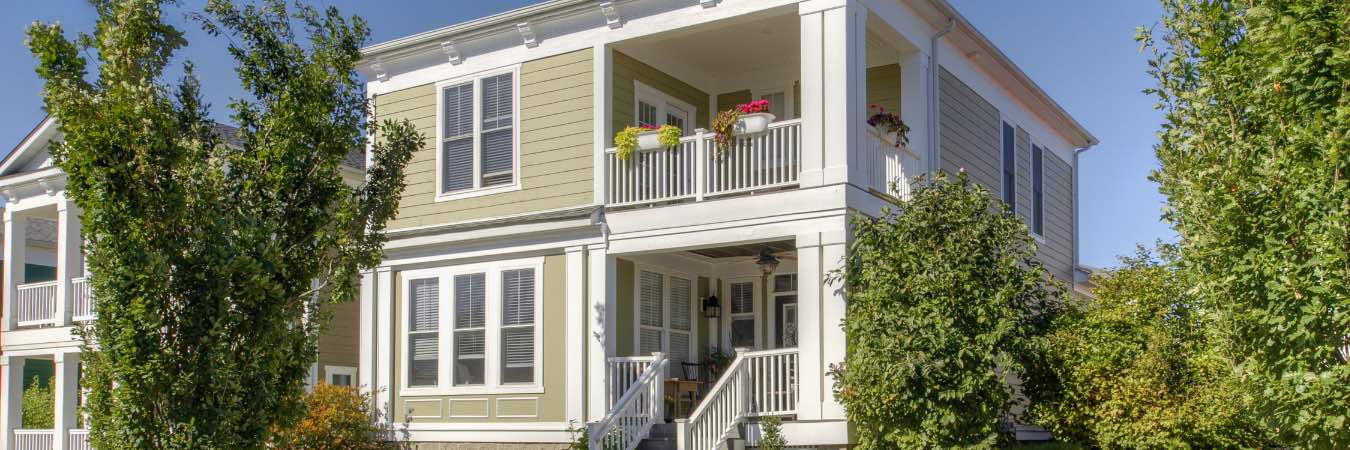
<point>556,132</point>
<point>729,100</point>
<point>883,87</point>
<point>627,70</point>
<point>625,272</point>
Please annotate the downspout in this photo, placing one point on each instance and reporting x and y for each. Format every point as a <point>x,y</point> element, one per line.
<point>934,148</point>
<point>1076,210</point>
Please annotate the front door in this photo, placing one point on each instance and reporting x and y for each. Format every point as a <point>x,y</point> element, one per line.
<point>785,310</point>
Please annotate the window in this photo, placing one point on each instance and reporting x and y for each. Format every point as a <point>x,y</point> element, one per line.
<point>743,314</point>
<point>665,316</point>
<point>341,375</point>
<point>489,342</point>
<point>1009,168</point>
<point>656,108</point>
<point>1037,191</point>
<point>423,336</point>
<point>478,148</point>
<point>784,310</point>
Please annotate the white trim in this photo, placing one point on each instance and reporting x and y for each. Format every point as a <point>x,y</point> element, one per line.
<point>757,314</point>
<point>498,406</point>
<point>663,101</point>
<point>450,408</point>
<point>477,80</point>
<point>330,371</point>
<point>492,271</point>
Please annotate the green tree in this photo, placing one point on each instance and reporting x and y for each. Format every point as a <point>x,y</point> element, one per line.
<point>210,261</point>
<point>1141,366</point>
<point>945,300</point>
<point>39,406</point>
<point>1255,153</point>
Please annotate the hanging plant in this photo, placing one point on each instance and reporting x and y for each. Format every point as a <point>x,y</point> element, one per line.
<point>889,123</point>
<point>645,137</point>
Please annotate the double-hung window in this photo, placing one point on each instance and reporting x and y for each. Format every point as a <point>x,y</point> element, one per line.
<point>1009,167</point>
<point>473,328</point>
<point>744,332</point>
<point>665,316</point>
<point>1037,191</point>
<point>479,139</point>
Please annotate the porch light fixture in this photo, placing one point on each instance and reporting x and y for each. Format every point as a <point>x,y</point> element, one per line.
<point>712,307</point>
<point>767,262</point>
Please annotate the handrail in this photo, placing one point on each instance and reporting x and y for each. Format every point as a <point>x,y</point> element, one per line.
<point>36,303</point>
<point>82,300</point>
<point>631,418</point>
<point>695,136</point>
<point>890,166</point>
<point>621,372</point>
<point>756,383</point>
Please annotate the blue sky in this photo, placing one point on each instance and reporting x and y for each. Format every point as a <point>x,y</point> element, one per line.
<point>1082,53</point>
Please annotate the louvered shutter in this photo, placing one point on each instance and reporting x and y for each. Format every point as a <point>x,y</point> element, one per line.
<point>457,135</point>
<point>498,149</point>
<point>423,341</point>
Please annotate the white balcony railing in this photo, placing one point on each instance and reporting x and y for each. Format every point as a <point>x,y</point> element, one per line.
<point>33,439</point>
<point>892,167</point>
<point>79,440</point>
<point>36,304</point>
<point>81,300</point>
<point>694,169</point>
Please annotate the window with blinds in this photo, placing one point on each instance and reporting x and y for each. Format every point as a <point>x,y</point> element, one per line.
<point>743,314</point>
<point>1037,190</point>
<point>423,335</point>
<point>478,140</point>
<point>652,306</point>
<point>1009,168</point>
<point>469,334</point>
<point>518,326</point>
<point>681,321</point>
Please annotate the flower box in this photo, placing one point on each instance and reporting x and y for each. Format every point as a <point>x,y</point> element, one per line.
<point>753,123</point>
<point>649,140</point>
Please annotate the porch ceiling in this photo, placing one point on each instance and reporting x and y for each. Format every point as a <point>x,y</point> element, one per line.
<point>706,55</point>
<point>779,249</point>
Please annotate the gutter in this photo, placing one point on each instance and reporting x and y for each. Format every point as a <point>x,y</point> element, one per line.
<point>934,116</point>
<point>1076,232</point>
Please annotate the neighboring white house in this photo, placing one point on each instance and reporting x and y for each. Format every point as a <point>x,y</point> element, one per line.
<point>534,279</point>
<point>45,296</point>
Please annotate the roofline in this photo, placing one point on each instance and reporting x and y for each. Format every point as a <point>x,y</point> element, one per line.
<point>25,142</point>
<point>508,20</point>
<point>987,46</point>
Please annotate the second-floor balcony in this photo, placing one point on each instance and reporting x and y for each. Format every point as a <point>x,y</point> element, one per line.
<point>37,303</point>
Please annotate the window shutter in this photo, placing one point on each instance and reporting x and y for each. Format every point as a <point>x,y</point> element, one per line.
<point>469,300</point>
<point>1037,193</point>
<point>457,147</point>
<point>742,297</point>
<point>498,147</point>
<point>680,291</point>
<point>653,309</point>
<point>1009,168</point>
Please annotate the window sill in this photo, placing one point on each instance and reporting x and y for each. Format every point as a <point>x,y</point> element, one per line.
<point>1039,238</point>
<point>472,390</point>
<point>460,195</point>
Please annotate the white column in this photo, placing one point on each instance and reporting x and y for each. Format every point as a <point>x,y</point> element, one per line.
<point>11,408</point>
<point>65,392</point>
<point>382,379</point>
<point>67,257</point>
<point>16,240</point>
<point>600,334</point>
<point>365,363</point>
<point>809,292</point>
<point>601,134</point>
<point>914,104</point>
<point>576,334</point>
<point>834,71</point>
<point>832,309</point>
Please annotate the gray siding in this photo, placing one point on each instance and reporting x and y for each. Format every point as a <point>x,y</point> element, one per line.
<point>971,138</point>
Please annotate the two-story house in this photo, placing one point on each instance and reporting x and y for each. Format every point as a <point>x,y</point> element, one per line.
<point>45,296</point>
<point>536,277</point>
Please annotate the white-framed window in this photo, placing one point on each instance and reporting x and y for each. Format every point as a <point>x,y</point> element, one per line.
<point>1038,190</point>
<point>780,100</point>
<point>478,134</point>
<point>653,107</point>
<point>783,320</point>
<point>1009,162</point>
<point>743,313</point>
<point>665,315</point>
<point>490,337</point>
<point>340,375</point>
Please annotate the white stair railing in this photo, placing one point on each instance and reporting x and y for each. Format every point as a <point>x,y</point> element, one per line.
<point>79,440</point>
<point>36,304</point>
<point>82,300</point>
<point>621,372</point>
<point>892,166</point>
<point>33,439</point>
<point>634,413</point>
<point>760,383</point>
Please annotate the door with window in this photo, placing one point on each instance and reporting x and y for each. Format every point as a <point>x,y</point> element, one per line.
<point>666,317</point>
<point>785,310</point>
<point>655,108</point>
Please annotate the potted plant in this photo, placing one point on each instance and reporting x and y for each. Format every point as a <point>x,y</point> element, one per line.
<point>717,361</point>
<point>645,137</point>
<point>888,123</point>
<point>744,119</point>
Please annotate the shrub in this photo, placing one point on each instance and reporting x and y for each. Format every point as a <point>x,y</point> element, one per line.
<point>39,405</point>
<point>945,299</point>
<point>336,417</point>
<point>773,434</point>
<point>1139,366</point>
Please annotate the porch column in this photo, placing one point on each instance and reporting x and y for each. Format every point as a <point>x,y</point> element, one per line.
<point>834,89</point>
<point>820,309</point>
<point>16,239</point>
<point>67,257</point>
<point>65,393</point>
<point>914,86</point>
<point>576,333</point>
<point>365,362</point>
<point>832,309</point>
<point>384,344</point>
<point>600,333</point>
<point>11,408</point>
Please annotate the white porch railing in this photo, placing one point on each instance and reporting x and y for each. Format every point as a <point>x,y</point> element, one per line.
<point>760,383</point>
<point>694,169</point>
<point>622,372</point>
<point>33,439</point>
<point>36,304</point>
<point>79,440</point>
<point>892,167</point>
<point>81,300</point>
<point>630,419</point>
